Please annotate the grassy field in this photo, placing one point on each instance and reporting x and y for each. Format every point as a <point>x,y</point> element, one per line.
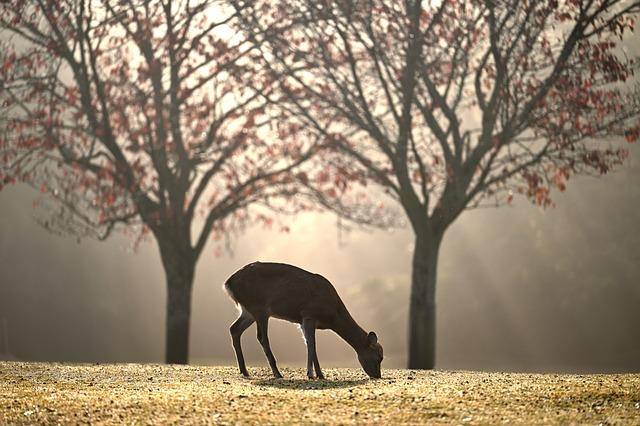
<point>158,394</point>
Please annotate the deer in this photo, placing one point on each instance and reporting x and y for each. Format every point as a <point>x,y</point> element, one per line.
<point>263,290</point>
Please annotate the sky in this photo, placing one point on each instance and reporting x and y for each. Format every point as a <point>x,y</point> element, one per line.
<point>519,288</point>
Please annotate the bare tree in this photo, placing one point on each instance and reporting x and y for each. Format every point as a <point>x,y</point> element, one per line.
<point>139,116</point>
<point>451,105</point>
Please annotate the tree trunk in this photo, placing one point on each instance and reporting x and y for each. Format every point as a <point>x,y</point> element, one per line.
<point>179,270</point>
<point>422,310</point>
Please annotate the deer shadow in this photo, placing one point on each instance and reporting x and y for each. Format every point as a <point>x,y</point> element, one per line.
<point>307,384</point>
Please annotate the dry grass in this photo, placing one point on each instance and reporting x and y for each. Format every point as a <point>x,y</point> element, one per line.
<point>158,394</point>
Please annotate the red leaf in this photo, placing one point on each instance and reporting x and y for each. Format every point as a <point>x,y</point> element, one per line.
<point>71,97</point>
<point>632,135</point>
<point>302,177</point>
<point>323,176</point>
<point>8,63</point>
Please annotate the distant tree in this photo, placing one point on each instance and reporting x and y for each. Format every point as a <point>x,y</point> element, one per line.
<point>454,105</point>
<point>137,115</point>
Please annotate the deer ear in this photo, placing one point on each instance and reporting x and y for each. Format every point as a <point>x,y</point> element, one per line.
<point>373,339</point>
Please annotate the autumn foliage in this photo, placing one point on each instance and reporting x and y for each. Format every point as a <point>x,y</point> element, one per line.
<point>132,114</point>
<point>500,98</point>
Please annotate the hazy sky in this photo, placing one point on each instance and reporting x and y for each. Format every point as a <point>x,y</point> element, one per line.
<point>519,288</point>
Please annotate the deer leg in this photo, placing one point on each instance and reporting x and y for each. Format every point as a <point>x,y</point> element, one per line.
<point>309,330</point>
<point>262,323</point>
<point>237,328</point>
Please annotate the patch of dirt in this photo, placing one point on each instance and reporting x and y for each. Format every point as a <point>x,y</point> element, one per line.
<point>161,394</point>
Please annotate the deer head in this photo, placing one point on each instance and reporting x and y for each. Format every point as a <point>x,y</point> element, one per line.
<point>370,356</point>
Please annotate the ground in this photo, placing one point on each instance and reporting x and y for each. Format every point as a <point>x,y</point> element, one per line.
<point>159,394</point>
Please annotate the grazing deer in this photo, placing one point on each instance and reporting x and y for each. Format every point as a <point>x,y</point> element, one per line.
<point>278,290</point>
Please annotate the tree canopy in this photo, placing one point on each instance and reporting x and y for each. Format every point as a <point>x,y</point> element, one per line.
<point>130,112</point>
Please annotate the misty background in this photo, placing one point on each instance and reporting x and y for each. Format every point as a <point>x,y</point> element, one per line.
<point>519,288</point>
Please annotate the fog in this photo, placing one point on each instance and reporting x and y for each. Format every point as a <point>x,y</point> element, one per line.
<point>519,288</point>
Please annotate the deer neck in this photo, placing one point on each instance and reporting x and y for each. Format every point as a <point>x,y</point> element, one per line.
<point>347,328</point>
